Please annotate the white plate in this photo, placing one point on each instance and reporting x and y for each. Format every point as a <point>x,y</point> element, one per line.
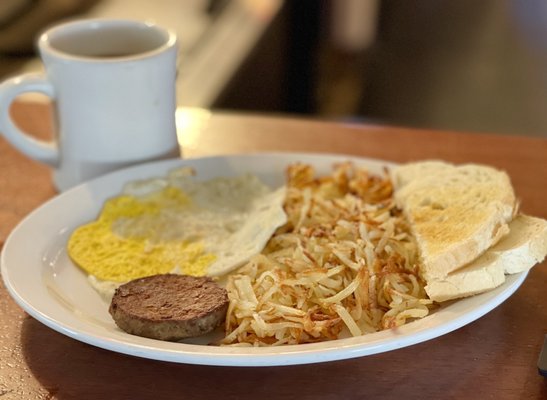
<point>44,282</point>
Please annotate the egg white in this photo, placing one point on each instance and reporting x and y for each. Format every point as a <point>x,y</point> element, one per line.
<point>232,217</point>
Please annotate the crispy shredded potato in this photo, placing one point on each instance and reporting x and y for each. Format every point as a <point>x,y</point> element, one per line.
<point>344,264</point>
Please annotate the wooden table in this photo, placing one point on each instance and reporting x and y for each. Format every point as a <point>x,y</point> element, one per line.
<point>492,358</point>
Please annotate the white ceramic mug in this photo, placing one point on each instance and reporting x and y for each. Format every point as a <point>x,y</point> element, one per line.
<point>113,88</point>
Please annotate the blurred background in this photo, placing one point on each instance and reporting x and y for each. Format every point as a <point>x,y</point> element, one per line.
<point>477,66</point>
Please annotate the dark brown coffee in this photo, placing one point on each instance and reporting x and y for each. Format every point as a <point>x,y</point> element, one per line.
<point>109,42</point>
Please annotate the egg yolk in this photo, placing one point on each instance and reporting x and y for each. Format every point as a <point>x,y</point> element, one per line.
<point>101,251</point>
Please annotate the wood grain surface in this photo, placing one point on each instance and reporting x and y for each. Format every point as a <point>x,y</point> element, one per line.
<point>494,357</point>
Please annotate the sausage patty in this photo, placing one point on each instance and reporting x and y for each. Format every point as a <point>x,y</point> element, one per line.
<point>169,306</point>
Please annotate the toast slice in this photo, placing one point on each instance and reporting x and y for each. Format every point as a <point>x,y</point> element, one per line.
<point>456,212</point>
<point>520,250</point>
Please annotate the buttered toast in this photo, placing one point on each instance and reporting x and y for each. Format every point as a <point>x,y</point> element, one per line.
<point>455,212</point>
<point>465,222</point>
<point>520,250</point>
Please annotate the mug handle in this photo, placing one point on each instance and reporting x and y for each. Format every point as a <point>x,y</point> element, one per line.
<point>40,150</point>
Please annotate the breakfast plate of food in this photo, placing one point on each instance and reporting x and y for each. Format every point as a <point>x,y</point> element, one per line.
<point>272,259</point>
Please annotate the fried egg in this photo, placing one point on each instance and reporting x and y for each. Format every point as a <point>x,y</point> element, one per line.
<point>177,224</point>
